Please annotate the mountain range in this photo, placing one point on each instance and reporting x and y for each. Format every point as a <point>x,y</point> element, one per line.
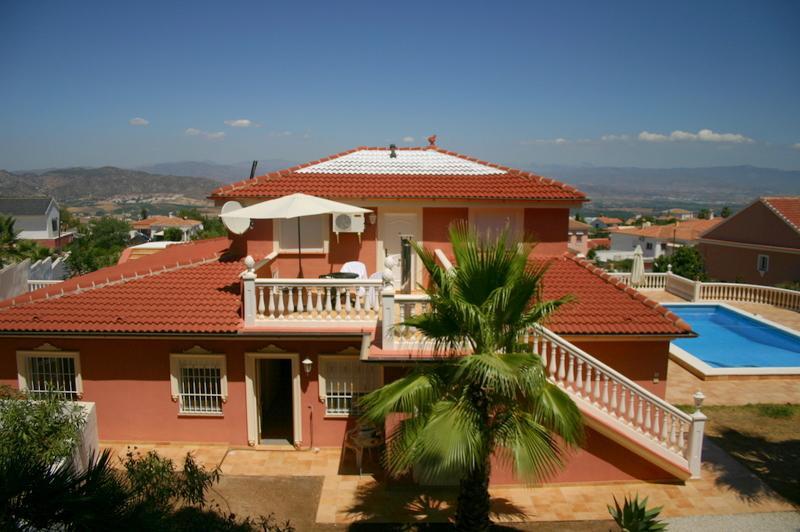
<point>226,173</point>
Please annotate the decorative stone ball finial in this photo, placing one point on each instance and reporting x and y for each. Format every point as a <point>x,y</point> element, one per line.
<point>699,397</point>
<point>669,267</point>
<point>250,264</point>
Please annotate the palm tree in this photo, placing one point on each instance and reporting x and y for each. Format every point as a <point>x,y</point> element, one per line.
<point>497,402</point>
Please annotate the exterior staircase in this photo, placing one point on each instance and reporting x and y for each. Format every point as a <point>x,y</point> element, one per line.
<point>621,409</point>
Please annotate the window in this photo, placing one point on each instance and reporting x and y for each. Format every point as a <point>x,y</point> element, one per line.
<point>312,234</point>
<point>342,380</point>
<point>41,372</point>
<point>762,265</point>
<point>54,224</point>
<point>199,383</point>
<point>649,245</point>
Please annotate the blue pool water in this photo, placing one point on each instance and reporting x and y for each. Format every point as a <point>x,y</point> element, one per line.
<point>729,340</point>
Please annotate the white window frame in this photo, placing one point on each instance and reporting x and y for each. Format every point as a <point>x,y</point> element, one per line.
<point>765,258</point>
<point>177,360</point>
<point>324,360</point>
<point>277,228</point>
<point>22,367</point>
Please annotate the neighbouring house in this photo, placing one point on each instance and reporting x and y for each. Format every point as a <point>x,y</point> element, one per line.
<point>142,250</point>
<point>219,341</point>
<point>604,222</point>
<point>578,236</point>
<point>153,226</point>
<point>678,214</point>
<point>38,219</point>
<point>657,240</point>
<point>595,243</point>
<point>760,244</point>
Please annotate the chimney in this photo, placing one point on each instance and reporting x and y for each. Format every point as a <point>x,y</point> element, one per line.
<point>253,169</point>
<point>392,151</point>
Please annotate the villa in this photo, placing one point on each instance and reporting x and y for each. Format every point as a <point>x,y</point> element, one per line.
<point>222,341</point>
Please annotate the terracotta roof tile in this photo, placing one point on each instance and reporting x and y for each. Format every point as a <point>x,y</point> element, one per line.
<point>685,231</point>
<point>601,304</point>
<point>442,175</point>
<point>787,207</point>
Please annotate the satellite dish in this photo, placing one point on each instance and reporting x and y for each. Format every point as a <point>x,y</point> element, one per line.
<point>236,226</point>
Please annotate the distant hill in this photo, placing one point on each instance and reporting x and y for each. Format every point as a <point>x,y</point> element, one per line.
<point>108,182</point>
<point>227,173</point>
<point>655,187</point>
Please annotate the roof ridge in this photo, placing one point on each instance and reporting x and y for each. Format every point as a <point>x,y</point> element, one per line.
<point>135,275</point>
<point>630,291</point>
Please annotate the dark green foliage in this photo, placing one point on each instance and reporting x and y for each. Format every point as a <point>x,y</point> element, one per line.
<point>496,401</point>
<point>173,234</point>
<point>634,516</point>
<point>704,214</point>
<point>45,430</point>
<point>686,261</point>
<point>14,250</point>
<point>725,212</point>
<point>777,411</point>
<point>100,245</point>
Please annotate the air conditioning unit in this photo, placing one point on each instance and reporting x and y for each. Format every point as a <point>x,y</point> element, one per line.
<point>348,223</point>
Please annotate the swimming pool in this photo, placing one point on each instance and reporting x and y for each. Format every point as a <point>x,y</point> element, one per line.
<point>729,338</point>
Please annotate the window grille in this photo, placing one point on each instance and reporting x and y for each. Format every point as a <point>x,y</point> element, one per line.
<point>51,375</point>
<point>762,264</point>
<point>344,381</point>
<point>199,383</point>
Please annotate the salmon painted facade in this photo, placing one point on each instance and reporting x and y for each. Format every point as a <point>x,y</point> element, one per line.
<point>221,341</point>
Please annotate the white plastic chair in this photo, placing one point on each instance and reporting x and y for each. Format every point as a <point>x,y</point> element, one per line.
<point>356,267</point>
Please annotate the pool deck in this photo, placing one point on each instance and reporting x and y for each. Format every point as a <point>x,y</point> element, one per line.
<point>734,390</point>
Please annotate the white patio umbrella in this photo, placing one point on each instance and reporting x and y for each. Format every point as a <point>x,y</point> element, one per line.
<point>637,268</point>
<point>293,206</point>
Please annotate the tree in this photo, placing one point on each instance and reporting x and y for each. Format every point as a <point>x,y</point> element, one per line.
<point>13,249</point>
<point>143,213</point>
<point>173,234</point>
<point>704,214</point>
<point>68,220</point>
<point>686,261</point>
<point>725,212</point>
<point>101,246</point>
<point>462,409</point>
<point>579,217</point>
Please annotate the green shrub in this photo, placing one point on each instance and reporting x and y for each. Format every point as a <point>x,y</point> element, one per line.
<point>776,411</point>
<point>634,516</point>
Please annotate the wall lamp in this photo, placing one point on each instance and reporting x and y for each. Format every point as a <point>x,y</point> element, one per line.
<point>307,363</point>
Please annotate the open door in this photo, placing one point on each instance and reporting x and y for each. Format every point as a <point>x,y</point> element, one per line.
<point>275,401</point>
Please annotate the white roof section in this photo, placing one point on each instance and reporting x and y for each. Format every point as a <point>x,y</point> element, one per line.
<point>407,162</point>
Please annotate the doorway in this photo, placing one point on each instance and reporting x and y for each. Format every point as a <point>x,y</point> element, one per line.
<point>396,228</point>
<point>275,401</point>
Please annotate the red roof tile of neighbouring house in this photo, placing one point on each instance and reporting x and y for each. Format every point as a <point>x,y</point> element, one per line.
<point>683,231</point>
<point>415,173</point>
<point>597,242</point>
<point>609,221</point>
<point>195,288</point>
<point>787,207</point>
<point>165,221</point>
<point>602,305</point>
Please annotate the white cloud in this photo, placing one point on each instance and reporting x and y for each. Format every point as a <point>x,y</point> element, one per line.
<point>558,141</point>
<point>138,121</point>
<point>614,138</point>
<point>796,145</point>
<point>241,122</point>
<point>284,133</point>
<point>408,139</point>
<point>210,135</point>
<point>704,135</point>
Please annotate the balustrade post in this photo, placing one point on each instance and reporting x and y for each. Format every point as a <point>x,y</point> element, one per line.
<point>387,304</point>
<point>249,291</point>
<point>696,436</point>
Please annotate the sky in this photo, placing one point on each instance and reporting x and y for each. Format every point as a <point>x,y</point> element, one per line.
<point>652,84</point>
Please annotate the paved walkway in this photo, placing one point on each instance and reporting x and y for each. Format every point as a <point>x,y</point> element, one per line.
<point>763,522</point>
<point>726,488</point>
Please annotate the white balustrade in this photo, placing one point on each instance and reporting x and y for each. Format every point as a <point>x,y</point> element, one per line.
<point>750,293</point>
<point>649,281</point>
<point>583,375</point>
<point>36,284</point>
<point>318,299</point>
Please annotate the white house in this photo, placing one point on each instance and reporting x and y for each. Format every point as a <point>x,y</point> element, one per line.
<point>36,218</point>
<point>657,240</point>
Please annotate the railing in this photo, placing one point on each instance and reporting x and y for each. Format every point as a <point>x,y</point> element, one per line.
<point>406,306</point>
<point>743,293</point>
<point>681,286</point>
<point>586,377</point>
<point>41,283</point>
<point>318,299</point>
<point>649,281</point>
<point>750,293</point>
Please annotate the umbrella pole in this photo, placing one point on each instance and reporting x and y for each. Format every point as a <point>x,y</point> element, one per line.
<point>299,252</point>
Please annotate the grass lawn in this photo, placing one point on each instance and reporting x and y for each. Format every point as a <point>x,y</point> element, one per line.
<point>763,437</point>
